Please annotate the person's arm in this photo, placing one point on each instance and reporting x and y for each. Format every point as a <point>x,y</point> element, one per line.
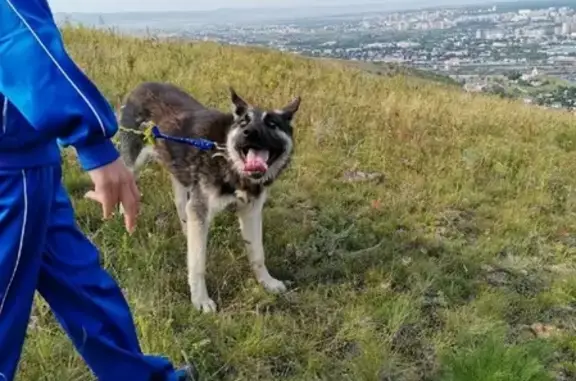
<point>50,91</point>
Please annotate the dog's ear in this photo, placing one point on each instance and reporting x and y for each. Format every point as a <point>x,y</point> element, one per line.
<point>288,111</point>
<point>239,105</point>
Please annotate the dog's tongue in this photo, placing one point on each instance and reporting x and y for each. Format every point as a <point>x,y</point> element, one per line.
<point>256,161</point>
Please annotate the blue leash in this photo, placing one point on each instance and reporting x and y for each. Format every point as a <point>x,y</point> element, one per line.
<point>200,143</point>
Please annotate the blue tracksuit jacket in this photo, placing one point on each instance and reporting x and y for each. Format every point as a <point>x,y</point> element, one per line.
<point>45,96</point>
<point>44,99</point>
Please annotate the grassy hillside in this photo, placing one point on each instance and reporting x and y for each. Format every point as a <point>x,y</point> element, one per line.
<point>393,69</point>
<point>456,261</point>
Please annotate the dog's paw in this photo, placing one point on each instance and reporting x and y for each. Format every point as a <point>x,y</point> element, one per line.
<point>273,285</point>
<point>204,304</point>
<point>199,295</point>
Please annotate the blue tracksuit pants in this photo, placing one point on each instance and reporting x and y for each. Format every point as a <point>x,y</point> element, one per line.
<point>41,248</point>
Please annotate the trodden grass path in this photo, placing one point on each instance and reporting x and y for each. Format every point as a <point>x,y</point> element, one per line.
<point>428,234</point>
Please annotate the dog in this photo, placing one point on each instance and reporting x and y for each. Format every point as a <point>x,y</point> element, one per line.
<point>256,146</point>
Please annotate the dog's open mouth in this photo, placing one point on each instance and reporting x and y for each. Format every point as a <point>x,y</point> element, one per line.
<point>255,160</point>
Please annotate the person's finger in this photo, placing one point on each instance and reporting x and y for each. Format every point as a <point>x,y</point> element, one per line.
<point>110,198</point>
<point>98,197</point>
<point>136,192</point>
<point>92,196</point>
<point>130,205</point>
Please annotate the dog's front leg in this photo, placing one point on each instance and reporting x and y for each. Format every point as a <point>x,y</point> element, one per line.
<point>197,226</point>
<point>250,218</point>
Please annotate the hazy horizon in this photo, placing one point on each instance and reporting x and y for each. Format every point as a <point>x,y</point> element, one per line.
<point>119,6</point>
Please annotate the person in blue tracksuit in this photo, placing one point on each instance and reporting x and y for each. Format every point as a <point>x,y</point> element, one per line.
<point>45,100</point>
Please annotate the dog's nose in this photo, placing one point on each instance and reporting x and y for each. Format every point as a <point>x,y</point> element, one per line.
<point>250,133</point>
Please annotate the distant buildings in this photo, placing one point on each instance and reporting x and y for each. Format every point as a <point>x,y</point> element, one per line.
<point>463,43</point>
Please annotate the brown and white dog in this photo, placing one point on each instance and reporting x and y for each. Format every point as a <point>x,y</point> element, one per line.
<point>257,146</point>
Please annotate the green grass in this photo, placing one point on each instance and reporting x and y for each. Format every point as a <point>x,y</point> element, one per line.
<point>437,272</point>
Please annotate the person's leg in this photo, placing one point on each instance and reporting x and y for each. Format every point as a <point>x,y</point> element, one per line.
<point>89,304</point>
<point>25,201</point>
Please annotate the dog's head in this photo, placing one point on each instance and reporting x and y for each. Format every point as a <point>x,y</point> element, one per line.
<point>259,143</point>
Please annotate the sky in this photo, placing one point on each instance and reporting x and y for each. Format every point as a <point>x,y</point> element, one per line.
<point>196,5</point>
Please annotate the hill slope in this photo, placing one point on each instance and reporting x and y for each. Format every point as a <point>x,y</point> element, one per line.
<point>394,69</point>
<point>439,271</point>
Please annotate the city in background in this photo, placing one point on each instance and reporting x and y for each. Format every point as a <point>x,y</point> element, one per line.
<point>524,50</point>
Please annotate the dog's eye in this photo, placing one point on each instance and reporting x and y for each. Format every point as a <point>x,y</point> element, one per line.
<point>269,121</point>
<point>245,120</point>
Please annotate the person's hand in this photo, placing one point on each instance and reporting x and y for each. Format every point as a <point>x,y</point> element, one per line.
<point>114,184</point>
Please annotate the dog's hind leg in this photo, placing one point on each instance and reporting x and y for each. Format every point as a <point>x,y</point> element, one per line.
<point>133,149</point>
<point>181,195</point>
<point>146,154</point>
<point>198,217</point>
<point>250,218</point>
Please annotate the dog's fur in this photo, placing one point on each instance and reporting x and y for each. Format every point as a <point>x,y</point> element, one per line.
<point>206,182</point>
